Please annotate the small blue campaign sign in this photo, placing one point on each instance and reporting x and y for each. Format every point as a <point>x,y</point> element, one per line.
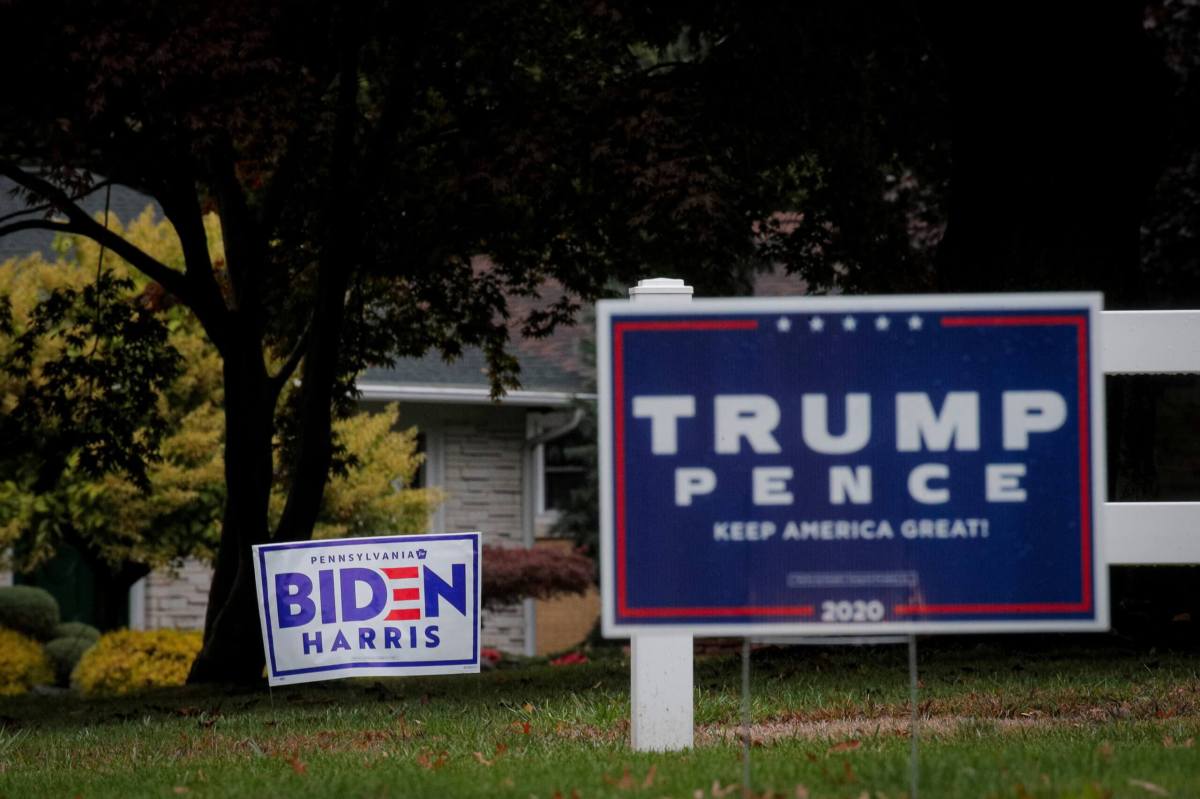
<point>369,607</point>
<point>851,465</point>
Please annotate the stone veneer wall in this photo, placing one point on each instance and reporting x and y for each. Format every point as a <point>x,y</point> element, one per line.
<point>483,492</point>
<point>178,600</point>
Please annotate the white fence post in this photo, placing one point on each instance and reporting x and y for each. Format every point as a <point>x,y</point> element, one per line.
<point>661,694</point>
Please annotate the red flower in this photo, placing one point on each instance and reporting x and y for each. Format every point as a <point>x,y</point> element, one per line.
<point>570,659</point>
<point>491,655</point>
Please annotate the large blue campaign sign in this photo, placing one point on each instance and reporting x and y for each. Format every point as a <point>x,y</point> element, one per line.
<point>832,465</point>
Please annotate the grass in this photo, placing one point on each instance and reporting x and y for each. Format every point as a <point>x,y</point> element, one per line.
<point>1042,722</point>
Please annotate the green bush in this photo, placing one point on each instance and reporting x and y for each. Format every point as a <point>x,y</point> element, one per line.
<point>23,664</point>
<point>29,610</point>
<point>64,654</point>
<point>127,661</point>
<point>76,629</point>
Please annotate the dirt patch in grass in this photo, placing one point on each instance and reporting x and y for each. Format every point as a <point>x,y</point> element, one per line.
<point>1139,703</point>
<point>848,734</point>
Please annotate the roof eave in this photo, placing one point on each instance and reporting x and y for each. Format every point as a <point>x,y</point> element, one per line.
<point>403,392</point>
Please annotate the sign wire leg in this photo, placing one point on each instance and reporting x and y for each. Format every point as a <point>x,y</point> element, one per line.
<point>913,763</point>
<point>745,717</point>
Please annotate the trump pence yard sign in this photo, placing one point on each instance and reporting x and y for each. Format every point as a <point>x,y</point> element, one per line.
<point>834,465</point>
<point>359,607</point>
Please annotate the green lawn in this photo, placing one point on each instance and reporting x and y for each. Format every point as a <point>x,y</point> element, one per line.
<point>998,722</point>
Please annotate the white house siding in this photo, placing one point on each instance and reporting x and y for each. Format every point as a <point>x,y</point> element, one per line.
<point>177,600</point>
<point>480,468</point>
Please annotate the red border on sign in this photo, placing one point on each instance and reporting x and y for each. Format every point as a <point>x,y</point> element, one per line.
<point>1083,605</point>
<point>1085,493</point>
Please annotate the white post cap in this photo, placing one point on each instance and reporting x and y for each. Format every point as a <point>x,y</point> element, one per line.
<point>661,287</point>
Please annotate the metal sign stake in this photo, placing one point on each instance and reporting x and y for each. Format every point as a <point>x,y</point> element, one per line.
<point>745,717</point>
<point>913,763</point>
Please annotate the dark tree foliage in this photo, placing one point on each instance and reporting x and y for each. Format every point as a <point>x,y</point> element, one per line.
<point>1170,230</point>
<point>387,175</point>
<point>95,396</point>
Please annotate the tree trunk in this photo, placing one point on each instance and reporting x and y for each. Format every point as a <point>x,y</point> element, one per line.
<point>233,650</point>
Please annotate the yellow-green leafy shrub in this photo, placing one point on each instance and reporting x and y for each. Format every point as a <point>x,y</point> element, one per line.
<point>127,661</point>
<point>23,664</point>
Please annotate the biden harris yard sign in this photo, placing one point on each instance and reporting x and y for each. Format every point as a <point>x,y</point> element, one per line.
<point>834,465</point>
<point>361,607</point>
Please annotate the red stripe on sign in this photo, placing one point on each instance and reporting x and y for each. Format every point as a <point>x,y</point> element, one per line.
<point>710,324</point>
<point>1010,321</point>
<point>1080,323</point>
<point>405,614</point>
<point>401,572</point>
<point>1085,457</point>
<point>991,607</point>
<point>751,610</point>
<point>406,594</point>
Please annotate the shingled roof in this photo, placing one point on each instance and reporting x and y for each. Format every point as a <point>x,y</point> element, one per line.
<point>552,368</point>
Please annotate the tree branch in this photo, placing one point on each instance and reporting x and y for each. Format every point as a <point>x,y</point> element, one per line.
<point>656,68</point>
<point>243,253</point>
<point>293,360</point>
<point>82,224</point>
<point>47,206</point>
<point>36,224</point>
<point>315,448</point>
<point>283,181</point>
<point>183,211</point>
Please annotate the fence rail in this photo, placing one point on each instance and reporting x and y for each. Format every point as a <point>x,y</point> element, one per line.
<point>1147,343</point>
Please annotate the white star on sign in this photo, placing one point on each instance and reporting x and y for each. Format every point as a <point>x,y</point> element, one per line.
<point>914,322</point>
<point>849,324</point>
<point>784,324</point>
<point>816,324</point>
<point>881,323</point>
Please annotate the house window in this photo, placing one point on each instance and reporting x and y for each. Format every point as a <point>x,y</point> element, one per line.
<point>563,470</point>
